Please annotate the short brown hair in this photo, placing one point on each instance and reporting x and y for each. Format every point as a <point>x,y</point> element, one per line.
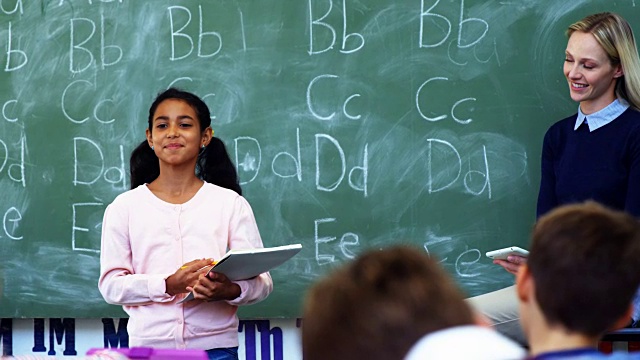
<point>379,305</point>
<point>585,264</point>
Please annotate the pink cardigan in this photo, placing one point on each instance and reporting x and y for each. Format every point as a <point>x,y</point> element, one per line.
<point>144,240</point>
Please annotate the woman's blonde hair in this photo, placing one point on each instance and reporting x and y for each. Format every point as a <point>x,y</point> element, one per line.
<point>615,36</point>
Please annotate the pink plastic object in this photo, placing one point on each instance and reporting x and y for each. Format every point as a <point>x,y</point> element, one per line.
<point>145,353</point>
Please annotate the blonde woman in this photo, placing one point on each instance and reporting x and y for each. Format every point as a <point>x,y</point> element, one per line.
<point>593,154</point>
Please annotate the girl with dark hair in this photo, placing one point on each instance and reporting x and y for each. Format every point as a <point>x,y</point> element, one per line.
<point>213,164</point>
<point>184,210</point>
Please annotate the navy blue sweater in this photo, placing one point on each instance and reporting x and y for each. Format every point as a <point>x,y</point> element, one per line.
<point>603,165</point>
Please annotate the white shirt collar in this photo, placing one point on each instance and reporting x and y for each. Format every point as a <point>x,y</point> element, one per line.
<point>601,118</point>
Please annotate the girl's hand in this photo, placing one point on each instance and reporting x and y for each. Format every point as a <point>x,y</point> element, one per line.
<point>512,264</point>
<point>214,287</point>
<point>187,276</point>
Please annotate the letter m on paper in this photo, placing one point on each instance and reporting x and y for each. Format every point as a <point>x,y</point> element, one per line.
<point>113,338</point>
<point>6,335</point>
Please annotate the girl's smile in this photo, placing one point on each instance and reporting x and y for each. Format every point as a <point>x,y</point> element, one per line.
<point>176,135</point>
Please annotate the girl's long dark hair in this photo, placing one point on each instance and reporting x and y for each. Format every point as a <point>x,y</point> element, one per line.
<point>213,164</point>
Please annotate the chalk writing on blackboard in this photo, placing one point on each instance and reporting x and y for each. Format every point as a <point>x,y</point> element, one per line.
<point>10,11</point>
<point>78,48</point>
<point>348,241</point>
<point>353,125</point>
<point>248,156</point>
<point>462,42</point>
<point>317,24</point>
<point>344,104</point>
<point>12,159</point>
<point>11,223</point>
<point>21,56</point>
<point>83,86</point>
<point>179,34</point>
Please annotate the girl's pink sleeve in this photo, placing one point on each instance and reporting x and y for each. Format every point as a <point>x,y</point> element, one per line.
<point>118,283</point>
<point>244,234</point>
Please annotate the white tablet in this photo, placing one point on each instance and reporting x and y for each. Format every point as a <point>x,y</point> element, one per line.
<point>501,254</point>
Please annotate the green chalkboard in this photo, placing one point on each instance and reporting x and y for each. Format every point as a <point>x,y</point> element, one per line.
<point>354,125</point>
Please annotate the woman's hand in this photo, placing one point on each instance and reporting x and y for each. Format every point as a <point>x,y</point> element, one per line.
<point>187,276</point>
<point>214,287</point>
<point>512,264</point>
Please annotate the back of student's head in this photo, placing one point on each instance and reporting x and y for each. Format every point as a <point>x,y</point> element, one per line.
<point>585,264</point>
<point>379,305</point>
<point>213,165</point>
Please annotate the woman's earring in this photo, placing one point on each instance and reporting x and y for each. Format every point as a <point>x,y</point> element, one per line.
<point>203,146</point>
<point>152,147</point>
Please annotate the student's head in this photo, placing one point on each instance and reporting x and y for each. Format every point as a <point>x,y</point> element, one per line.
<point>212,164</point>
<point>616,48</point>
<point>201,109</point>
<point>583,269</point>
<point>379,305</point>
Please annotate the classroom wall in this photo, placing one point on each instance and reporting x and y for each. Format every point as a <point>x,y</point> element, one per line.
<point>276,339</point>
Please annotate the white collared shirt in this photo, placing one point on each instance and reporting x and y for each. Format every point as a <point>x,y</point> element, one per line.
<point>601,118</point>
